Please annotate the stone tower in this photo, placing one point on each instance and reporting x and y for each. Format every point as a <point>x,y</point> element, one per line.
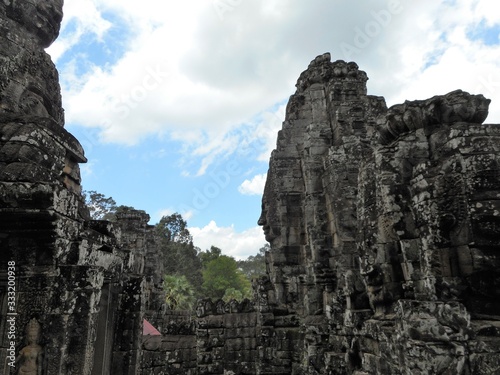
<point>85,285</point>
<point>383,230</point>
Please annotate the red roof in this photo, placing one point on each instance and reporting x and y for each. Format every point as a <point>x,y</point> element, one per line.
<point>148,329</point>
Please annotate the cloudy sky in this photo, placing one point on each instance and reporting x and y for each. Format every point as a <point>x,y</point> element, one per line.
<point>177,103</point>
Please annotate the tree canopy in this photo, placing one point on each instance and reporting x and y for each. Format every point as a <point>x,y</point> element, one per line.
<point>100,206</point>
<point>255,265</point>
<point>180,257</point>
<point>179,293</point>
<point>222,274</point>
<point>173,228</point>
<point>209,255</point>
<point>189,272</point>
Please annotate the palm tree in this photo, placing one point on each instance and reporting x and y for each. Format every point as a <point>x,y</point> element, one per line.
<point>179,292</point>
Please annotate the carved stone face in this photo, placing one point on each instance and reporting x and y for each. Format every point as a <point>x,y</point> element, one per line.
<point>42,18</point>
<point>29,83</point>
<point>33,337</point>
<point>30,87</point>
<point>481,265</point>
<point>33,332</point>
<point>270,231</point>
<point>268,217</point>
<point>484,201</point>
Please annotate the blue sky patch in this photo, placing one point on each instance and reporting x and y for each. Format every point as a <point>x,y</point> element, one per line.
<point>95,52</point>
<point>489,35</point>
<point>134,76</point>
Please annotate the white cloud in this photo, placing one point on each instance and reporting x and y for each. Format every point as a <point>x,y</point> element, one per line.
<point>203,79</point>
<point>267,130</point>
<point>87,169</point>
<point>255,186</point>
<point>164,212</point>
<point>433,55</point>
<point>239,245</point>
<point>186,215</point>
<point>85,18</point>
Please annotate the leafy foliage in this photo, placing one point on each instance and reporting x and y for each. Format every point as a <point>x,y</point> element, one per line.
<point>180,257</point>
<point>190,272</point>
<point>180,294</point>
<point>100,206</point>
<point>221,274</point>
<point>255,265</point>
<point>173,228</point>
<point>209,255</point>
<point>231,294</point>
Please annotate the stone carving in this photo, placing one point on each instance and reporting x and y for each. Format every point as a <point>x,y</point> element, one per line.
<point>30,357</point>
<point>89,279</point>
<point>383,217</point>
<point>207,307</point>
<point>28,80</point>
<point>33,145</point>
<point>383,224</point>
<point>427,210</point>
<point>456,106</point>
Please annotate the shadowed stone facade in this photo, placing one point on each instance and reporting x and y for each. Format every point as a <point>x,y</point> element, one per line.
<point>82,288</point>
<point>383,225</point>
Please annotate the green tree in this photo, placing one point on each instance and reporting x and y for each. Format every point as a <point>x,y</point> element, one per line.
<point>232,293</point>
<point>255,265</point>
<point>180,257</point>
<point>100,206</point>
<point>221,274</point>
<point>180,294</point>
<point>174,229</point>
<point>209,255</point>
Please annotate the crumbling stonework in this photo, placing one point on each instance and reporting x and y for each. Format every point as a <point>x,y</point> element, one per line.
<point>175,351</point>
<point>227,337</point>
<point>85,285</point>
<point>383,226</point>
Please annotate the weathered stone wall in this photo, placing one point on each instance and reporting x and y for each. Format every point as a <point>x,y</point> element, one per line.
<point>223,338</point>
<point>175,351</point>
<point>227,340</point>
<point>169,354</point>
<point>41,209</point>
<point>82,287</point>
<point>383,229</point>
<point>383,224</point>
<point>136,289</point>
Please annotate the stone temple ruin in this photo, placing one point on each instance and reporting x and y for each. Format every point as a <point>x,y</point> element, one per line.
<point>383,224</point>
